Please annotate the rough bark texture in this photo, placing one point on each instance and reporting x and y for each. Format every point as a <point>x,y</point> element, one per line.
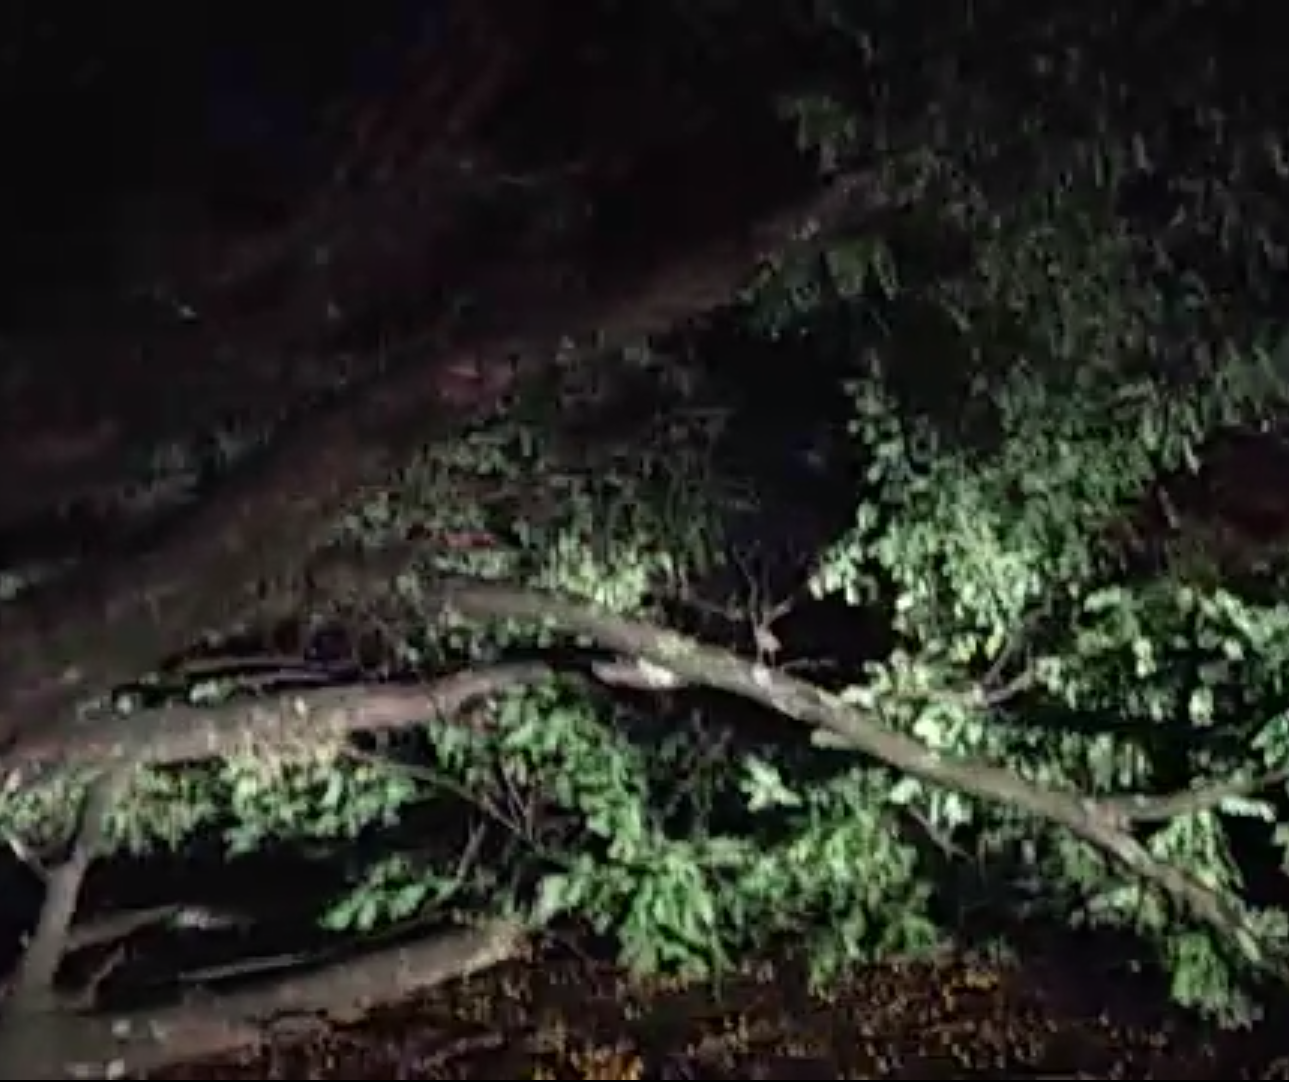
<point>431,196</point>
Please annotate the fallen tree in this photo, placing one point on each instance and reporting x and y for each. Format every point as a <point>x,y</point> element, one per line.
<point>1078,690</point>
<point>289,724</point>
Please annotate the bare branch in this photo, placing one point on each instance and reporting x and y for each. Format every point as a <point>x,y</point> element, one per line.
<point>116,1044</point>
<point>115,928</point>
<point>307,717</point>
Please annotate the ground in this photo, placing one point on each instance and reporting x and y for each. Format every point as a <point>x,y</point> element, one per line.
<point>1062,1012</point>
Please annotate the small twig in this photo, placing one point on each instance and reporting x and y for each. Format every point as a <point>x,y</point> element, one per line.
<point>761,614</point>
<point>88,996</point>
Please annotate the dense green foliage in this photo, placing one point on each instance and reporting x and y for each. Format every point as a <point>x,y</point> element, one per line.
<point>1055,290</point>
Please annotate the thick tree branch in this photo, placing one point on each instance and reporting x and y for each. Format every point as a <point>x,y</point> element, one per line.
<point>114,1044</point>
<point>106,624</point>
<point>310,717</point>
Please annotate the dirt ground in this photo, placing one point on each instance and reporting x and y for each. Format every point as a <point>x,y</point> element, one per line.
<point>1056,1016</point>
